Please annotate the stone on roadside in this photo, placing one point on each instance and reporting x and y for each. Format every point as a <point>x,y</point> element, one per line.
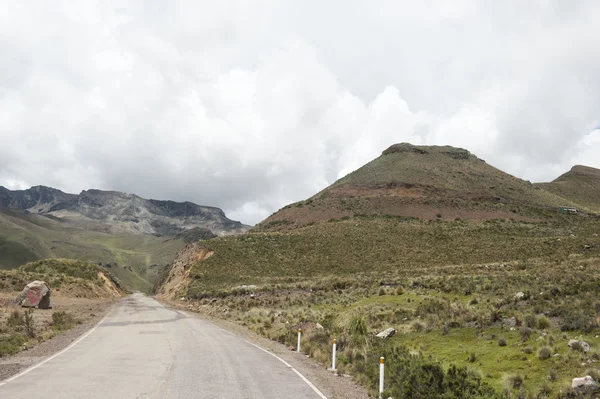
<point>390,332</point>
<point>35,295</point>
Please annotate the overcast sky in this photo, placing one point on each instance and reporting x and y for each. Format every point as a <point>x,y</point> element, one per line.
<point>251,105</point>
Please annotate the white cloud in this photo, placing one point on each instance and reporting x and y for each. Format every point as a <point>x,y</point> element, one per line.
<point>250,106</point>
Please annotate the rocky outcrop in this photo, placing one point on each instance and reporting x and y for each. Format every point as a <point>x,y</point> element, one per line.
<point>35,295</point>
<point>116,212</point>
<point>173,283</point>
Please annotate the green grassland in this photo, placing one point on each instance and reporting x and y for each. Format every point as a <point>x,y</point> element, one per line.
<point>26,237</point>
<point>448,287</point>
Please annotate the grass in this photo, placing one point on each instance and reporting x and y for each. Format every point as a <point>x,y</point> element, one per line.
<point>59,274</point>
<point>448,287</point>
<point>28,237</point>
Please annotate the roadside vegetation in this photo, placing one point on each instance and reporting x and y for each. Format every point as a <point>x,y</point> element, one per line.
<point>70,280</point>
<point>481,308</point>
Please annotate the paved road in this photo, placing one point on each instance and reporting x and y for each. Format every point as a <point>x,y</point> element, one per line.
<point>145,350</point>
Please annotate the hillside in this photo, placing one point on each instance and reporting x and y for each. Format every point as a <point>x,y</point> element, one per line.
<point>426,182</point>
<point>579,186</point>
<point>473,267</point>
<point>116,212</point>
<point>134,258</point>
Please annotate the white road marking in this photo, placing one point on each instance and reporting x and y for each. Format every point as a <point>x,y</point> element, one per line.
<point>310,384</point>
<point>35,366</point>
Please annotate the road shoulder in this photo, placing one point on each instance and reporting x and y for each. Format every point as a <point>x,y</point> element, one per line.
<point>332,386</point>
<point>88,312</point>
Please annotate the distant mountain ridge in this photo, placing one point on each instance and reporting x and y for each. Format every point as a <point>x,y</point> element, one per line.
<point>114,211</point>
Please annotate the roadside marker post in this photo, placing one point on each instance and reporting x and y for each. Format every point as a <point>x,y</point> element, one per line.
<point>381,374</point>
<point>333,355</point>
<point>299,335</point>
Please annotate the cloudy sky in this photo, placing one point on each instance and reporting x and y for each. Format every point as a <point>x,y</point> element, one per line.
<point>250,105</point>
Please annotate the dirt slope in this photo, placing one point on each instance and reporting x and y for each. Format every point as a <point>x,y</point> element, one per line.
<point>175,281</point>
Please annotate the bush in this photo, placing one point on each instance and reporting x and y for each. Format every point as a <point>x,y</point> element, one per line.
<point>417,326</point>
<point>62,321</point>
<point>552,375</point>
<point>502,342</point>
<point>357,326</point>
<point>399,290</point>
<point>544,353</point>
<point>381,291</point>
<point>28,322</point>
<point>525,334</point>
<point>543,323</point>
<point>515,381</point>
<point>528,350</point>
<point>15,320</point>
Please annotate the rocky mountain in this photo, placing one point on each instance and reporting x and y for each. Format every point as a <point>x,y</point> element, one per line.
<point>116,212</point>
<point>425,182</point>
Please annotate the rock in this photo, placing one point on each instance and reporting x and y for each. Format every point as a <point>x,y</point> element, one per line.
<point>519,296</point>
<point>318,326</point>
<point>35,295</point>
<point>587,247</point>
<point>585,382</point>
<point>584,345</point>
<point>390,332</point>
<point>511,322</point>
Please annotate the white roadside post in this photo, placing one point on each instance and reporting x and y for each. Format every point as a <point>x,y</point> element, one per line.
<point>299,335</point>
<point>381,373</point>
<point>333,355</point>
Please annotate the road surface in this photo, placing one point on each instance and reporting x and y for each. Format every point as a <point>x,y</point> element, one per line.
<point>146,350</point>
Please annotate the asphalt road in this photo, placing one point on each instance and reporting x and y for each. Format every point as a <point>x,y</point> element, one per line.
<point>146,350</point>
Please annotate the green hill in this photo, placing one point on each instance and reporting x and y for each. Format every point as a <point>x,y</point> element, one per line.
<point>426,182</point>
<point>580,186</point>
<point>472,266</point>
<point>134,259</point>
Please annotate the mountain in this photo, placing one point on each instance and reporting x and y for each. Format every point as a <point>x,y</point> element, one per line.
<point>413,205</point>
<point>117,212</point>
<point>580,186</point>
<point>426,182</point>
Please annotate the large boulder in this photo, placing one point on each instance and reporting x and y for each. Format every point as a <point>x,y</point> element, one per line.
<point>35,295</point>
<point>585,382</point>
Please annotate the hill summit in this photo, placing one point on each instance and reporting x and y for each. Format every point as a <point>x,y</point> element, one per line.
<point>426,182</point>
<point>580,185</point>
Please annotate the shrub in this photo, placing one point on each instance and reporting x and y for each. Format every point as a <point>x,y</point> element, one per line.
<point>381,291</point>
<point>543,323</point>
<point>552,375</point>
<point>399,290</point>
<point>528,350</point>
<point>515,381</point>
<point>15,320</point>
<point>472,357</point>
<point>502,342</point>
<point>544,353</point>
<point>530,321</point>
<point>357,326</point>
<point>62,321</point>
<point>525,333</point>
<point>28,322</point>
<point>417,326</point>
